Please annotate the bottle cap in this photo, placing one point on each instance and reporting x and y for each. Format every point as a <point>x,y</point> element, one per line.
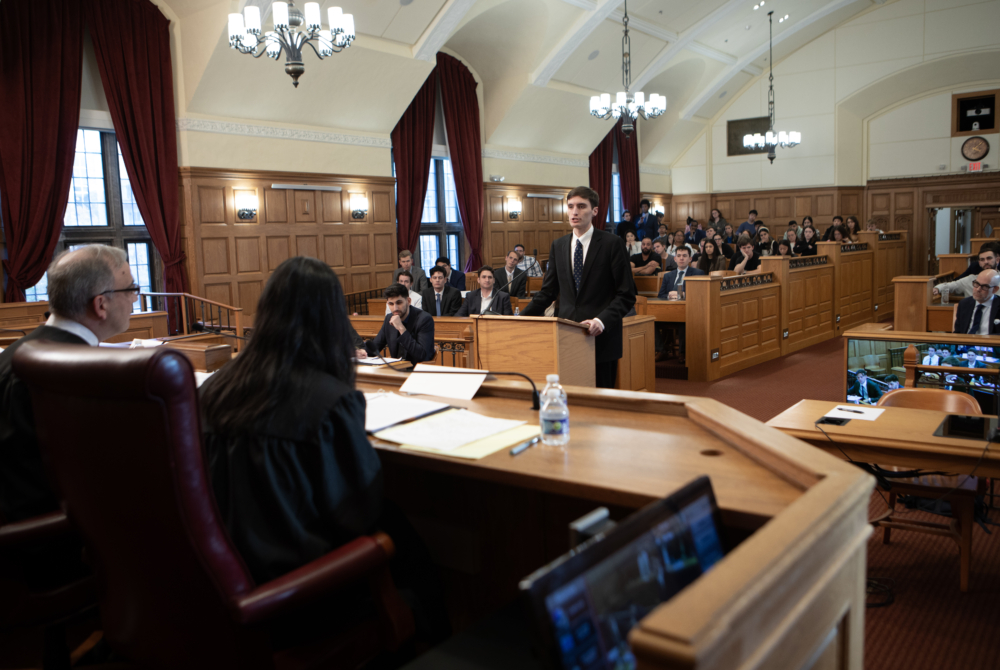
<point>552,379</point>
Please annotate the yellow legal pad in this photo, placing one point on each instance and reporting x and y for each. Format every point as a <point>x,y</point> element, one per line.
<point>477,449</point>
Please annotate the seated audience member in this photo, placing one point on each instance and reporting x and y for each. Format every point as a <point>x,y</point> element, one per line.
<point>626,225</point>
<point>728,235</point>
<point>453,278</point>
<point>853,227</point>
<point>406,279</point>
<point>872,227</point>
<point>726,250</point>
<point>663,235</point>
<point>828,233</point>
<point>716,220</point>
<point>632,246</point>
<point>406,264</point>
<point>764,245</point>
<point>441,299</point>
<point>693,233</point>
<point>486,297</point>
<point>293,473</point>
<point>974,265</point>
<point>710,233</point>
<point>744,258</point>
<point>892,381</point>
<point>784,248</point>
<point>527,263</point>
<point>673,282</point>
<point>793,241</point>
<point>512,281</point>
<point>660,249</point>
<point>864,390</point>
<point>712,260</point>
<point>969,360</point>
<point>91,293</point>
<point>647,261</point>
<point>931,357</point>
<point>679,244</point>
<point>407,331</point>
<point>979,314</point>
<point>793,227</point>
<point>840,234</point>
<point>747,226</point>
<point>963,286</point>
<point>807,247</point>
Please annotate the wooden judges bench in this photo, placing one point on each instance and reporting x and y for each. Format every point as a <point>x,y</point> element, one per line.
<point>790,595</point>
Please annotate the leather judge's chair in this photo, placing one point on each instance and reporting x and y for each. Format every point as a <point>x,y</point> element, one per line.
<point>121,435</point>
<point>960,489</point>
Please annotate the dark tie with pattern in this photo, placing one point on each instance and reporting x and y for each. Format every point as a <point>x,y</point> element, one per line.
<point>578,263</point>
<point>976,320</point>
<point>437,299</point>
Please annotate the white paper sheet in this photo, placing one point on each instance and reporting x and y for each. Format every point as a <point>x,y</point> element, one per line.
<point>448,430</point>
<point>458,383</point>
<point>145,344</point>
<point>375,360</point>
<point>388,409</point>
<point>201,377</point>
<point>858,412</point>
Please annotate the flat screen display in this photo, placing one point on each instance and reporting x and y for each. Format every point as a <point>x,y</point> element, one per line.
<point>875,367</point>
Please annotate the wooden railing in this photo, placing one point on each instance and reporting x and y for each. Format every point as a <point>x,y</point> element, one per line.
<point>357,302</point>
<point>192,314</point>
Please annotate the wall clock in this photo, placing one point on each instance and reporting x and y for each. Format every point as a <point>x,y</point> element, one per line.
<point>975,148</point>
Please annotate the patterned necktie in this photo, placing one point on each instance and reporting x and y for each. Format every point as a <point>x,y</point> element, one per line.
<point>578,264</point>
<point>437,299</point>
<point>680,278</point>
<point>976,320</point>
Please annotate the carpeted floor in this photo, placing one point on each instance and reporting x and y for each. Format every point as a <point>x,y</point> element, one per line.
<point>931,625</point>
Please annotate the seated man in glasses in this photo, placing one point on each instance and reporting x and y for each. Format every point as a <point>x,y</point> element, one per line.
<point>91,293</point>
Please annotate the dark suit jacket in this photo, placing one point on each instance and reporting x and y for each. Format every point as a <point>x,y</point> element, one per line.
<point>24,488</point>
<point>419,278</point>
<point>457,280</point>
<point>474,301</point>
<point>517,288</point>
<point>668,281</point>
<point>451,301</point>
<point>874,391</point>
<point>607,291</point>
<point>966,310</point>
<point>415,345</point>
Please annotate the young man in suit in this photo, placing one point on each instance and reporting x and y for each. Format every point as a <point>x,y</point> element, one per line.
<point>452,278</point>
<point>512,280</point>
<point>486,297</point>
<point>591,277</point>
<point>646,224</point>
<point>407,331</point>
<point>979,314</point>
<point>673,282</point>
<point>441,299</point>
<point>406,264</point>
<point>865,390</point>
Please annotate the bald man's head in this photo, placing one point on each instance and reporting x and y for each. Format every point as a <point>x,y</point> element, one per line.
<point>986,284</point>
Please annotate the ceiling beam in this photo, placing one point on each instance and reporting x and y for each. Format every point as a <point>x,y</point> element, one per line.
<point>440,29</point>
<point>575,36</point>
<point>747,60</point>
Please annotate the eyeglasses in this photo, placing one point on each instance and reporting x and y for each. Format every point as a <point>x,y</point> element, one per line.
<point>131,288</point>
<point>976,285</point>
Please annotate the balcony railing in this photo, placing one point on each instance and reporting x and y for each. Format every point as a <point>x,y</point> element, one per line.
<point>193,314</point>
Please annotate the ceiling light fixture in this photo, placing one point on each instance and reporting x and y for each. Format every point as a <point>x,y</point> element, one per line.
<point>628,105</point>
<point>772,139</point>
<point>245,37</point>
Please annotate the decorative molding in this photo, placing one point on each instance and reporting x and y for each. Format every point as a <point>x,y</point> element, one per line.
<point>987,196</point>
<point>746,281</point>
<point>888,237</point>
<point>534,158</point>
<point>858,246</point>
<point>806,262</point>
<point>275,133</point>
<point>654,170</point>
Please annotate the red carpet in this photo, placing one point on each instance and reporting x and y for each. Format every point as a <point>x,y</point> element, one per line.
<point>931,625</point>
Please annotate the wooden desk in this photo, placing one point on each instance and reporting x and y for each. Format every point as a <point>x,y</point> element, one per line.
<point>900,436</point>
<point>667,311</point>
<point>793,588</point>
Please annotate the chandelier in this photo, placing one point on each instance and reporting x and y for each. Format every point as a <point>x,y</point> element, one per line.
<point>771,139</point>
<point>628,105</point>
<point>287,36</point>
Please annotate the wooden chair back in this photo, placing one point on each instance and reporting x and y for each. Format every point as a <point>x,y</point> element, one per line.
<point>939,400</point>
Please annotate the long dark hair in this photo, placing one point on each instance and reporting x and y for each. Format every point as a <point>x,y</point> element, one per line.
<point>301,325</point>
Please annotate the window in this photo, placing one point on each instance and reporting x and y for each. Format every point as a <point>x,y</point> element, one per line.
<point>615,211</point>
<point>102,209</point>
<point>440,226</point>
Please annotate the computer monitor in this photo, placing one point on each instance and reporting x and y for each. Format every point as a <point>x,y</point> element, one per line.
<point>585,603</point>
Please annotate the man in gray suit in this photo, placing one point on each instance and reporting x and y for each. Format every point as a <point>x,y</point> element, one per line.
<point>406,263</point>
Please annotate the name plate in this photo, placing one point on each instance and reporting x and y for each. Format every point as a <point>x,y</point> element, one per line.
<point>858,246</point>
<point>746,281</point>
<point>888,237</point>
<point>806,262</point>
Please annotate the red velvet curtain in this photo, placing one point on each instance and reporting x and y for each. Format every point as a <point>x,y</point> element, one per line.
<point>628,168</point>
<point>41,61</point>
<point>601,161</point>
<point>461,122</point>
<point>412,143</point>
<point>132,41</point>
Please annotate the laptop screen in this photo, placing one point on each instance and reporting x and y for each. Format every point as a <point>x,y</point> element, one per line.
<point>591,605</point>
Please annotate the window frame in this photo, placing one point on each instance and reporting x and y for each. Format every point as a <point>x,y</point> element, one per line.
<point>442,228</point>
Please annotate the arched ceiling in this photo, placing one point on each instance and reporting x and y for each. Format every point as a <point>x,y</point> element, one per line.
<point>539,61</point>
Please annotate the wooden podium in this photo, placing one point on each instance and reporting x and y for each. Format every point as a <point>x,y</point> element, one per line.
<point>537,346</point>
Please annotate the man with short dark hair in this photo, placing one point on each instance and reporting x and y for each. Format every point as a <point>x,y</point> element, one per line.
<point>673,282</point>
<point>828,233</point>
<point>864,391</point>
<point>406,279</point>
<point>645,225</point>
<point>407,331</point>
<point>963,286</point>
<point>975,267</point>
<point>527,263</point>
<point>747,226</point>
<point>745,258</point>
<point>452,277</point>
<point>667,261</point>
<point>647,262</point>
<point>486,298</point>
<point>406,263</point>
<point>441,299</point>
<point>512,281</point>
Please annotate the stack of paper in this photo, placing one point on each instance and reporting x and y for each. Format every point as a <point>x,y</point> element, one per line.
<point>448,430</point>
<point>377,361</point>
<point>458,383</point>
<point>389,409</point>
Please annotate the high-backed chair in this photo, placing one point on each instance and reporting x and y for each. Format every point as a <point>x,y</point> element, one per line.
<point>121,436</point>
<point>961,489</point>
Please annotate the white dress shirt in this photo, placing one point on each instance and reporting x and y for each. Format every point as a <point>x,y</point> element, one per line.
<point>416,300</point>
<point>486,300</point>
<point>984,322</point>
<point>585,241</point>
<point>70,326</point>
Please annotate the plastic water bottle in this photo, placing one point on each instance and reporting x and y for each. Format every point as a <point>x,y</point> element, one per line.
<point>517,311</point>
<point>944,295</point>
<point>554,415</point>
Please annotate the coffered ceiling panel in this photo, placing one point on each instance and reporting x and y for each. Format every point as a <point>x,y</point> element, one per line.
<point>675,15</point>
<point>597,62</point>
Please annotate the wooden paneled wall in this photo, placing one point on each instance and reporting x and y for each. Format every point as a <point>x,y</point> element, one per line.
<point>229,259</point>
<point>807,299</point>
<point>542,219</point>
<point>662,201</point>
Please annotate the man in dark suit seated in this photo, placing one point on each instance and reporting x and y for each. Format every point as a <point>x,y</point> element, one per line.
<point>452,278</point>
<point>864,391</point>
<point>406,264</point>
<point>512,280</point>
<point>486,297</point>
<point>407,331</point>
<point>440,299</point>
<point>673,282</point>
<point>979,314</point>
<point>91,292</point>
<point>590,275</point>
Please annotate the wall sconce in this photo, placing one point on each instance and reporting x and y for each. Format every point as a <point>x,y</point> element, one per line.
<point>513,209</point>
<point>246,205</point>
<point>359,206</point>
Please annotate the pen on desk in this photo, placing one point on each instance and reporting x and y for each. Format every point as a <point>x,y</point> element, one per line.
<point>524,445</point>
<point>852,411</point>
